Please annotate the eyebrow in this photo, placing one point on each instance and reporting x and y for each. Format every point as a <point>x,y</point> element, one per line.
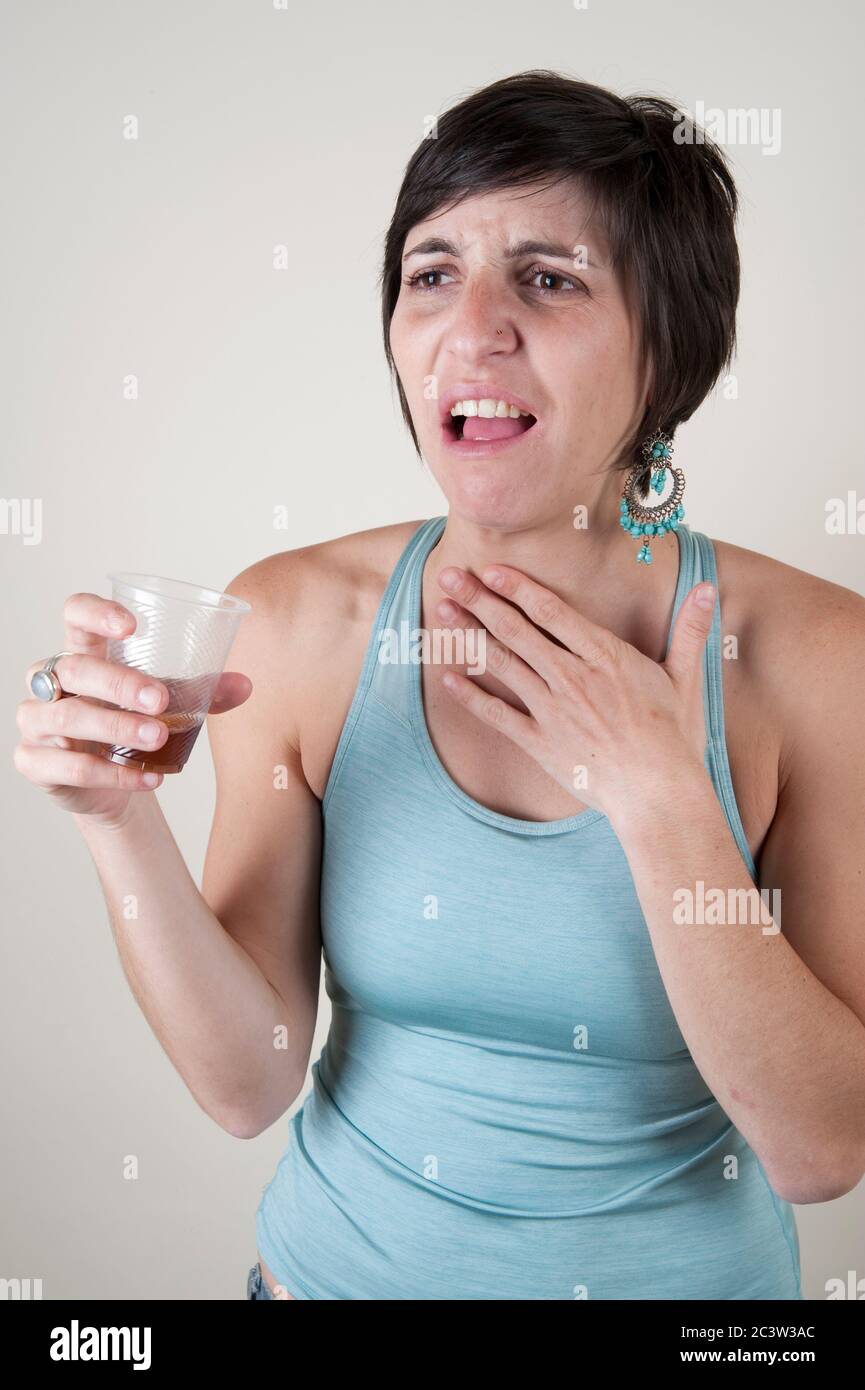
<point>439,245</point>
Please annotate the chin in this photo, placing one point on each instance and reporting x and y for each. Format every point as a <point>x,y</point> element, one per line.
<point>485,498</point>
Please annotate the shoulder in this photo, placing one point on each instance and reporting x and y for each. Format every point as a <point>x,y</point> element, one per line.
<point>336,579</point>
<point>312,612</point>
<point>800,638</point>
<point>778,602</point>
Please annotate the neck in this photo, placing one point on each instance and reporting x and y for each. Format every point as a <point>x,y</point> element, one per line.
<point>595,570</point>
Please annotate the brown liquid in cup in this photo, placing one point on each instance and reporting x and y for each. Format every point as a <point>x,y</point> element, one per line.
<point>184,728</point>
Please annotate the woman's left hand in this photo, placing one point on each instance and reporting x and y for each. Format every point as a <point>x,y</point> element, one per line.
<point>603,719</point>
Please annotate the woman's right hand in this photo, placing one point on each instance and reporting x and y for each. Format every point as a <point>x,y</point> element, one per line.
<point>58,749</point>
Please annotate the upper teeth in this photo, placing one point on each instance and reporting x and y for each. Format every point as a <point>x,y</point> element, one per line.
<point>487,408</point>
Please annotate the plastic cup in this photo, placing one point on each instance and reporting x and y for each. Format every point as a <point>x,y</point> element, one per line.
<point>182,638</point>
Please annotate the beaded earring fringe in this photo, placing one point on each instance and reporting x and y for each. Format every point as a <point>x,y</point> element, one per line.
<point>635,517</point>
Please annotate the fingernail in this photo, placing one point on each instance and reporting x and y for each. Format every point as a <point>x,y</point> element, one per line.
<point>149,697</point>
<point>446,609</point>
<point>449,579</point>
<point>116,623</point>
<point>148,733</point>
<point>706,595</point>
<point>150,779</point>
<point>493,578</point>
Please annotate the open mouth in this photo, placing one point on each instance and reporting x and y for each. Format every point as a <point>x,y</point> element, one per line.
<point>491,426</point>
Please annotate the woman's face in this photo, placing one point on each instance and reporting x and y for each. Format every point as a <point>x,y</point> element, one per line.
<point>567,351</point>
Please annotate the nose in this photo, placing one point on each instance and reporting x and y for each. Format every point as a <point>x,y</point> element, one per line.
<point>481,322</point>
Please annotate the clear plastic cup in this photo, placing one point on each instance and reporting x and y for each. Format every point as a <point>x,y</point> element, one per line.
<point>182,638</point>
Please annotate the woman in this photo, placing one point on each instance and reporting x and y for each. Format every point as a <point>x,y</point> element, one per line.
<point>552,1072</point>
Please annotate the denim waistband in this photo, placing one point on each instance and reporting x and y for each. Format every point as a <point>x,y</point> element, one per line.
<point>256,1286</point>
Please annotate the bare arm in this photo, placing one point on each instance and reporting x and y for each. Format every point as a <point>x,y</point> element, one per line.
<point>262,873</point>
<point>227,977</point>
<point>776,1022</point>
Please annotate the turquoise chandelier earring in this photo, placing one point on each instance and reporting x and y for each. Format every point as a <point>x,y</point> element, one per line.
<point>636,518</point>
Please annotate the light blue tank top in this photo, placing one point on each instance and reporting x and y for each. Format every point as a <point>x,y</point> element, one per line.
<point>464,1137</point>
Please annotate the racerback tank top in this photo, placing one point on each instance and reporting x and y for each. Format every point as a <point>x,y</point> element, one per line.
<point>504,1107</point>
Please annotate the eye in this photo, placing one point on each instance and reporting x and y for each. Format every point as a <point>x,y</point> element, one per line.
<point>555,275</point>
<point>416,281</point>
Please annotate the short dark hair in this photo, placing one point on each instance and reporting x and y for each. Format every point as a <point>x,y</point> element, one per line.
<point>667,207</point>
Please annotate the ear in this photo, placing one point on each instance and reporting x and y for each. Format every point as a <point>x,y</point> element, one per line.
<point>690,631</point>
